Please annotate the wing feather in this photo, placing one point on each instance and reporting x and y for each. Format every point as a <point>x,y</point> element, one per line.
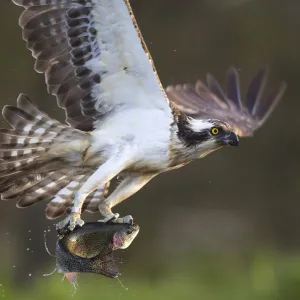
<point>256,90</point>
<point>233,87</point>
<point>215,87</point>
<point>211,102</point>
<point>93,55</point>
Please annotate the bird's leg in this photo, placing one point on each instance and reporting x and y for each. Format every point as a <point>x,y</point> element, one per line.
<point>125,189</point>
<point>105,173</point>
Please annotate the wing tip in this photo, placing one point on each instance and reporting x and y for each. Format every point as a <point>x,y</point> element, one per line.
<point>283,86</point>
<point>23,98</point>
<point>233,87</point>
<point>273,100</point>
<point>256,89</point>
<point>232,69</point>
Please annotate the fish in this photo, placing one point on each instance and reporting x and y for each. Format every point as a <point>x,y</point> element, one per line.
<point>89,249</point>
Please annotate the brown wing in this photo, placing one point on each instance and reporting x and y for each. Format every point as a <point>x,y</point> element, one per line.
<point>93,56</point>
<point>209,101</point>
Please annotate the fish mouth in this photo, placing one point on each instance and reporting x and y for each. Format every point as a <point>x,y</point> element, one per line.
<point>123,240</point>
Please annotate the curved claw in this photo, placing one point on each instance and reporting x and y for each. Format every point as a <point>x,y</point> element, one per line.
<point>71,221</point>
<point>75,220</point>
<point>110,218</point>
<point>127,220</point>
<point>116,219</point>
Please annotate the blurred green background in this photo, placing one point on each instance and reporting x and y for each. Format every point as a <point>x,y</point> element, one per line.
<point>228,225</point>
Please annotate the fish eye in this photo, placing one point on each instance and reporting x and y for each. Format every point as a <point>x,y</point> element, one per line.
<point>215,131</point>
<point>129,231</point>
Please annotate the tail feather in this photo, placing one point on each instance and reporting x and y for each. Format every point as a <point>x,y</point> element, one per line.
<point>18,118</point>
<point>44,189</point>
<point>92,202</point>
<point>58,187</point>
<point>20,187</point>
<point>34,133</point>
<point>63,201</point>
<point>29,170</point>
<point>11,140</point>
<point>17,173</point>
<point>17,162</point>
<point>29,120</point>
<point>64,197</point>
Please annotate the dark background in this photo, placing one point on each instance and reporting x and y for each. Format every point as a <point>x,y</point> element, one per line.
<point>228,225</point>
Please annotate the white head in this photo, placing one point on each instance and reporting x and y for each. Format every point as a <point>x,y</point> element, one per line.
<point>205,136</point>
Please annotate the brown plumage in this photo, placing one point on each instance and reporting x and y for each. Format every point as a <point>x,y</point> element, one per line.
<point>209,101</point>
<point>30,173</point>
<point>60,33</point>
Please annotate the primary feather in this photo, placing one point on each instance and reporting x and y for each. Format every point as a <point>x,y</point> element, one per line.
<point>92,55</point>
<point>211,102</point>
<point>30,171</point>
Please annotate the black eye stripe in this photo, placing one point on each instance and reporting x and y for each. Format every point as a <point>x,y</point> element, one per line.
<point>192,138</point>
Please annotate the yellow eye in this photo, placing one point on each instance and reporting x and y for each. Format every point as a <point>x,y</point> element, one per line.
<point>215,131</point>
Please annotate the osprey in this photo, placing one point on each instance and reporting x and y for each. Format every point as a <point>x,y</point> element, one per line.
<point>120,121</point>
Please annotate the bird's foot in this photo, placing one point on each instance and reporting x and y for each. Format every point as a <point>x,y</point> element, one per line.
<point>114,218</point>
<point>125,220</point>
<point>70,222</point>
<point>109,216</point>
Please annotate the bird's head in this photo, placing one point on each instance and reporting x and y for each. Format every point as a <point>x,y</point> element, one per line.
<point>205,136</point>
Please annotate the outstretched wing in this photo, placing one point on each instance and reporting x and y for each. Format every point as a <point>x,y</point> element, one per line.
<point>211,102</point>
<point>93,56</point>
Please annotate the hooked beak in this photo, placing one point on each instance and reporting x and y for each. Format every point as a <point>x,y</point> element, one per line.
<point>231,139</point>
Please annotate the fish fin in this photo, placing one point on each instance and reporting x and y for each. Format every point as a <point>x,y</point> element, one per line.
<point>110,269</point>
<point>108,266</point>
<point>72,278</point>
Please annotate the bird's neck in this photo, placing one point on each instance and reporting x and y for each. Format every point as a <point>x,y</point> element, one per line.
<point>180,154</point>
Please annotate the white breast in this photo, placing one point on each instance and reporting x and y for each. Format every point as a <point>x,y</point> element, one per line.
<point>145,131</point>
